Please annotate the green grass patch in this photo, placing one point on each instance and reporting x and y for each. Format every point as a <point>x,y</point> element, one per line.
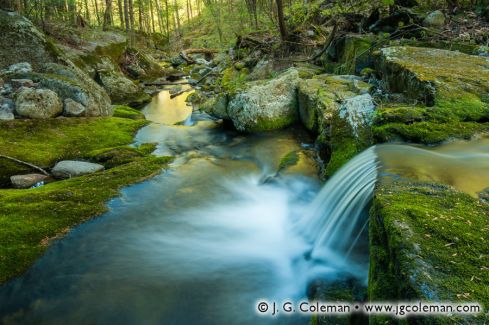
<point>30,218</point>
<point>128,112</point>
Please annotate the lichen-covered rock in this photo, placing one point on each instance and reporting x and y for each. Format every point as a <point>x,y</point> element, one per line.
<point>338,109</point>
<point>450,88</point>
<point>21,40</point>
<point>428,242</point>
<point>38,103</point>
<point>266,105</point>
<point>120,89</point>
<point>73,168</point>
<point>72,108</point>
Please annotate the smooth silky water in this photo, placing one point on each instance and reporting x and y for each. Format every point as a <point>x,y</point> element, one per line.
<point>208,238</point>
<point>201,243</point>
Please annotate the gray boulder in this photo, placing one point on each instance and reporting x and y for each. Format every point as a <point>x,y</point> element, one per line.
<point>73,168</point>
<point>27,181</point>
<point>358,111</point>
<point>73,108</point>
<point>38,103</point>
<point>20,39</point>
<point>435,19</point>
<point>6,115</point>
<point>266,105</point>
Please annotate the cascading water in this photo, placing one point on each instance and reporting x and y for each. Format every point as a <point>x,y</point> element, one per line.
<point>337,218</point>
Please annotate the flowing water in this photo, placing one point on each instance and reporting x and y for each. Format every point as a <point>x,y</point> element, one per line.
<point>219,230</point>
<point>201,243</point>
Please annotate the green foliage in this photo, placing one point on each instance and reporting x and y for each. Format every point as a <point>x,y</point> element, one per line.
<point>128,112</point>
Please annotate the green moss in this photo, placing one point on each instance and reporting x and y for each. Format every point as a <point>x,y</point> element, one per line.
<point>233,79</point>
<point>128,112</point>
<point>290,159</point>
<point>30,218</point>
<point>428,242</point>
<point>111,157</point>
<point>45,142</point>
<point>427,132</point>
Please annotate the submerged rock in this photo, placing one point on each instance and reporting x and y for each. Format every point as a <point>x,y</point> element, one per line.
<point>266,105</point>
<point>73,168</point>
<point>38,103</point>
<point>27,181</point>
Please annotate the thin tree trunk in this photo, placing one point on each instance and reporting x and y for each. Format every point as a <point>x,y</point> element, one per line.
<point>121,14</point>
<point>152,16</point>
<point>96,12</point>
<point>281,21</point>
<point>108,14</point>
<point>131,22</point>
<point>177,16</point>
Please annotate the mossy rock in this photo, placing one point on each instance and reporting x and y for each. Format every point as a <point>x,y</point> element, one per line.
<point>320,102</point>
<point>428,242</point>
<point>128,112</point>
<point>451,90</point>
<point>112,157</point>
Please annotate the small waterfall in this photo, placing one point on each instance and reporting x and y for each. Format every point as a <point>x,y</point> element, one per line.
<point>336,219</point>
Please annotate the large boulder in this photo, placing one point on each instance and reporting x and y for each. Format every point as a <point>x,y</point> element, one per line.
<point>38,103</point>
<point>21,40</point>
<point>435,19</point>
<point>73,168</point>
<point>446,93</point>
<point>266,105</point>
<point>339,110</point>
<point>428,242</point>
<point>120,89</point>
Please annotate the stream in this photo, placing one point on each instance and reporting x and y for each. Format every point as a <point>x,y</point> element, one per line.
<point>219,231</point>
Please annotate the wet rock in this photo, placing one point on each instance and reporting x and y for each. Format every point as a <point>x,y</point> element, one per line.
<point>434,19</point>
<point>27,181</point>
<point>73,108</point>
<point>266,105</point>
<point>72,168</point>
<point>38,103</point>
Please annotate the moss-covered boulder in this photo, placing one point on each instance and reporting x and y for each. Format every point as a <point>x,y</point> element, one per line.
<point>21,41</point>
<point>339,110</point>
<point>266,105</point>
<point>428,242</point>
<point>449,89</point>
<point>120,89</point>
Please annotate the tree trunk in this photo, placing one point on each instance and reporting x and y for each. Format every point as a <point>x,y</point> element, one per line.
<point>131,22</point>
<point>97,12</point>
<point>121,14</point>
<point>281,21</point>
<point>152,16</point>
<point>108,14</point>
